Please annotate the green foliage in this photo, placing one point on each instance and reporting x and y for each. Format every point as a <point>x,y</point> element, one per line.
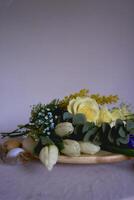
<point>46,117</point>
<point>122,140</point>
<point>89,133</point>
<point>110,136</point>
<point>48,140</point>
<point>67,116</point>
<point>79,119</point>
<point>119,123</point>
<point>117,135</point>
<point>45,140</point>
<point>121,150</point>
<point>38,148</point>
<point>122,132</point>
<point>130,125</point>
<point>87,126</point>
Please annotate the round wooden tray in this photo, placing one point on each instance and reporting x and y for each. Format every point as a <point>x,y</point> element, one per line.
<point>100,157</point>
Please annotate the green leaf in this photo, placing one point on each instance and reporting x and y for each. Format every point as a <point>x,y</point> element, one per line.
<point>67,116</point>
<point>130,125</point>
<point>46,140</point>
<point>132,132</point>
<point>115,149</point>
<point>123,140</point>
<point>60,146</point>
<point>121,132</point>
<point>77,130</point>
<point>89,134</point>
<point>97,140</point>
<point>118,142</point>
<point>38,148</point>
<point>105,127</point>
<point>110,137</point>
<point>79,119</point>
<point>87,126</point>
<point>119,123</point>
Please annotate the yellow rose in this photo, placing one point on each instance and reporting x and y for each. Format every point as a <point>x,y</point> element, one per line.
<point>117,114</point>
<point>86,106</point>
<point>127,114</point>
<point>105,115</point>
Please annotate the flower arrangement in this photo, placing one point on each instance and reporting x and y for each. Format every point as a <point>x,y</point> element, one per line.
<point>81,123</point>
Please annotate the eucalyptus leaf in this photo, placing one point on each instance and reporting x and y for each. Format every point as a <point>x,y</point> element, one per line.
<point>79,119</point>
<point>121,132</point>
<point>105,127</point>
<point>87,126</point>
<point>131,132</point>
<point>130,125</point>
<point>123,140</point>
<point>119,123</point>
<point>89,134</point>
<point>97,140</point>
<point>67,116</point>
<point>118,142</point>
<point>110,138</point>
<point>77,130</point>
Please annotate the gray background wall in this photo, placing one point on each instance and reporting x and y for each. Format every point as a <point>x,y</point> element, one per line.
<point>51,48</point>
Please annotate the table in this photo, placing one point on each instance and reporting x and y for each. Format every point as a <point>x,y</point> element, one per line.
<point>69,182</point>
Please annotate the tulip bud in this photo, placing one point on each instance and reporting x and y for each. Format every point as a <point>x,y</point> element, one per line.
<point>63,129</point>
<point>89,148</point>
<point>71,148</point>
<point>49,156</point>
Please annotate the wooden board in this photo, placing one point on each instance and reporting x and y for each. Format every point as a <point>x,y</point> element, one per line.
<point>100,157</point>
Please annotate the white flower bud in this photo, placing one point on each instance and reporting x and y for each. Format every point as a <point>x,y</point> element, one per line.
<point>89,148</point>
<point>63,129</point>
<point>49,156</point>
<point>71,148</point>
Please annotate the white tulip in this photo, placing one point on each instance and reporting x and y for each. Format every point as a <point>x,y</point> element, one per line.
<point>89,148</point>
<point>64,128</point>
<point>71,148</point>
<point>49,156</point>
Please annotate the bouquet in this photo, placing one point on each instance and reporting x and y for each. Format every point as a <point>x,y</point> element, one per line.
<point>81,123</point>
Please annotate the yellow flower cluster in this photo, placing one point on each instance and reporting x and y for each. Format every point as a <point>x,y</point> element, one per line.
<point>105,99</point>
<point>82,93</point>
<point>101,100</point>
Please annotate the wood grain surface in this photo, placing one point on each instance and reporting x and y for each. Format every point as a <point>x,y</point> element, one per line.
<point>101,157</point>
